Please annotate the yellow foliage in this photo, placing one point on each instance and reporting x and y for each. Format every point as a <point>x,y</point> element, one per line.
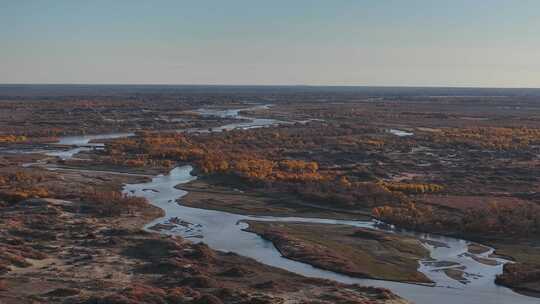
<point>411,188</point>
<point>12,138</point>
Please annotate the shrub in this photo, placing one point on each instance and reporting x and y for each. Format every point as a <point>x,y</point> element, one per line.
<point>111,203</point>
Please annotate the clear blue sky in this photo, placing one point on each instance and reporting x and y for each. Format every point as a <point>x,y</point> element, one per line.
<point>334,42</point>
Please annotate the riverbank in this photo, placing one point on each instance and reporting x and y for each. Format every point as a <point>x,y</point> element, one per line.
<point>358,252</point>
<point>208,193</point>
<point>523,276</point>
<point>61,251</point>
<point>336,148</point>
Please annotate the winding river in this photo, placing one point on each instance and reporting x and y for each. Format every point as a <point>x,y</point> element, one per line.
<point>224,231</point>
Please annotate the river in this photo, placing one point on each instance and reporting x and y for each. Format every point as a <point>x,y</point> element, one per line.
<point>224,231</point>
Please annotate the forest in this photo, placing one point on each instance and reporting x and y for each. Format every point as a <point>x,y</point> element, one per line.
<point>320,163</point>
<point>452,170</point>
<point>497,138</point>
<point>522,220</point>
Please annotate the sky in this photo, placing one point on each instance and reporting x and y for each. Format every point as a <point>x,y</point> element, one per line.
<point>479,43</point>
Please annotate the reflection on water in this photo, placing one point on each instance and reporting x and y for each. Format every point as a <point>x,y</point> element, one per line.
<point>223,231</point>
<point>249,123</point>
<point>86,139</point>
<point>81,143</point>
<point>400,133</point>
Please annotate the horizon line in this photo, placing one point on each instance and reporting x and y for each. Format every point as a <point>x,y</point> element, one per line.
<point>271,85</point>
